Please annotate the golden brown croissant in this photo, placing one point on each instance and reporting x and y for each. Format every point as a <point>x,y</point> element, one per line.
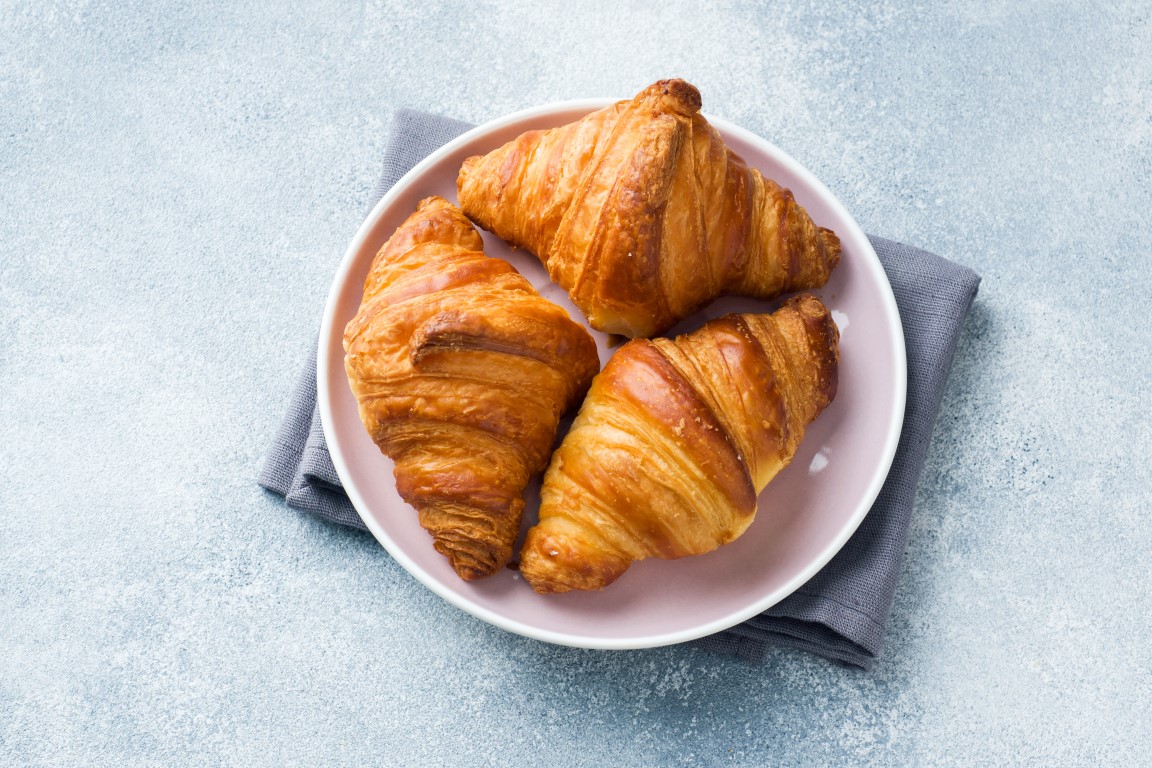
<point>675,440</point>
<point>461,371</point>
<point>643,214</point>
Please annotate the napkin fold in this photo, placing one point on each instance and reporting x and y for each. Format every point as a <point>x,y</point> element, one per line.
<point>842,611</point>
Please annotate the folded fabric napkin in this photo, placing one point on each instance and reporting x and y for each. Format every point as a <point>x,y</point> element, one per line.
<point>842,611</point>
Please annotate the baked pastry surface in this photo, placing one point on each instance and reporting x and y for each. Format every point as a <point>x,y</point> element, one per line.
<point>643,214</point>
<point>676,439</point>
<point>461,372</point>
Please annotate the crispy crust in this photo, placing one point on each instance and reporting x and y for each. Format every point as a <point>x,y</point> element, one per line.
<point>675,440</point>
<point>643,215</point>
<point>461,372</point>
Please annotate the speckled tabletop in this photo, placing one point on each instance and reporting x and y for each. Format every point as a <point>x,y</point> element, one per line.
<point>177,184</point>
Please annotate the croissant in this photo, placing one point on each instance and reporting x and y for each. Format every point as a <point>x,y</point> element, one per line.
<point>461,372</point>
<point>676,439</point>
<point>643,214</point>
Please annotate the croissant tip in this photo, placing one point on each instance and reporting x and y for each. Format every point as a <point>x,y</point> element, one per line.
<point>824,336</point>
<point>809,306</point>
<point>432,201</point>
<point>682,94</point>
<point>471,574</point>
<point>552,563</point>
<point>466,564</point>
<point>466,169</point>
<point>554,581</point>
<point>829,247</point>
<point>548,588</point>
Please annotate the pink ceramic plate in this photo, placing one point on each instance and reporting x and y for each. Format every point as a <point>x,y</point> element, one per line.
<point>805,515</point>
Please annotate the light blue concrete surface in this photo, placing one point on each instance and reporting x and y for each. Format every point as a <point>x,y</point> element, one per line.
<point>177,183</point>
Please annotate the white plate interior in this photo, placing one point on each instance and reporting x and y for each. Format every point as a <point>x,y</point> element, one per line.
<point>805,515</point>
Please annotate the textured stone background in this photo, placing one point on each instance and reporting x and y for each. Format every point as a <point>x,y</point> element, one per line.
<point>177,184</point>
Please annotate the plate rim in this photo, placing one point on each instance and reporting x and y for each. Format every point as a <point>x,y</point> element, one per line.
<point>460,601</point>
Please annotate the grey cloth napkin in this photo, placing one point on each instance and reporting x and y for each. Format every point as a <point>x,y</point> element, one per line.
<point>842,611</point>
